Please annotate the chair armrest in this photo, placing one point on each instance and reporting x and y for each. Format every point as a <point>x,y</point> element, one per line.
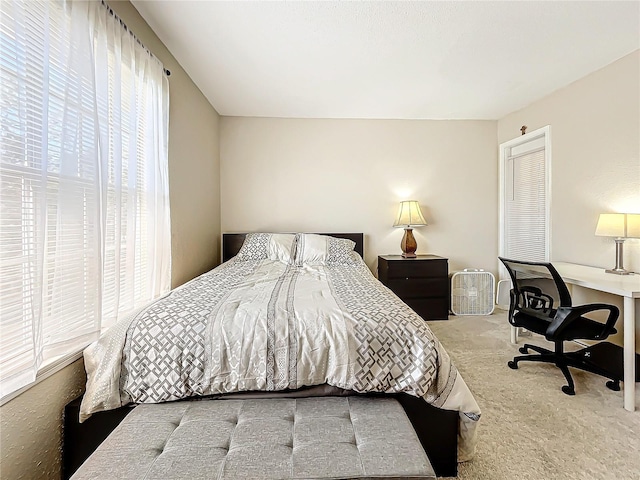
<point>567,315</point>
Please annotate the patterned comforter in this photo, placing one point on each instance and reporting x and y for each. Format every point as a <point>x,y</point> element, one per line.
<point>265,325</point>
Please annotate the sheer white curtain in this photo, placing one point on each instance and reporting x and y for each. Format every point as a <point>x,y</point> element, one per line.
<point>84,203</point>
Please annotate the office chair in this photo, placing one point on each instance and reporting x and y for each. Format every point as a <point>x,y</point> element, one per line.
<point>541,303</point>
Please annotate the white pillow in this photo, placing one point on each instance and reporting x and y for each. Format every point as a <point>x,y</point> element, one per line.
<point>281,247</point>
<point>271,246</point>
<point>312,249</point>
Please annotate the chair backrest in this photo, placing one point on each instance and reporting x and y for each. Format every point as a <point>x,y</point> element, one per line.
<point>536,286</point>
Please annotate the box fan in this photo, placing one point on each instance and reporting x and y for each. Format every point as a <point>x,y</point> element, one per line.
<point>472,292</point>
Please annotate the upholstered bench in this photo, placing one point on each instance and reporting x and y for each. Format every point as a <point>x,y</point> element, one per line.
<point>310,438</point>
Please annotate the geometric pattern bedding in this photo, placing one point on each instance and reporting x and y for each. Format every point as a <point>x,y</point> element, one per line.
<point>266,325</point>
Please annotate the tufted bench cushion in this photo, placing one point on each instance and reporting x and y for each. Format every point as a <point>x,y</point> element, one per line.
<point>310,438</point>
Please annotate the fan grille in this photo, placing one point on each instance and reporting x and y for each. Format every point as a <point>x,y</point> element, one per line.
<point>472,292</point>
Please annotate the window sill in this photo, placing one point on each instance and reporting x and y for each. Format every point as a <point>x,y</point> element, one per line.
<point>51,367</point>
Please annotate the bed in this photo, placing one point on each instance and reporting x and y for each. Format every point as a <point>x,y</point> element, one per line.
<point>286,315</point>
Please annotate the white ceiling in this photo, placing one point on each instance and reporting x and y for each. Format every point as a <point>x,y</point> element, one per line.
<point>398,60</point>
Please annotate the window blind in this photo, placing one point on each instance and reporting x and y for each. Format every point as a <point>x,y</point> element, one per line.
<point>84,218</point>
<point>525,202</point>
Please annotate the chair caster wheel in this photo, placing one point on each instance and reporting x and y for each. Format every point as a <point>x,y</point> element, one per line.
<point>568,390</point>
<point>513,365</point>
<point>523,350</point>
<point>613,385</point>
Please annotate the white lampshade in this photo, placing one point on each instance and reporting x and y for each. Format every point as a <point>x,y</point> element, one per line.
<point>622,225</point>
<point>633,225</point>
<point>409,215</point>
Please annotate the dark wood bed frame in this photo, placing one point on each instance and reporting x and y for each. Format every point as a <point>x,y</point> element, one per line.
<point>436,428</point>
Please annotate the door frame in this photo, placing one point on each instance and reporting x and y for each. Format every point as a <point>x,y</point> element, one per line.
<point>544,132</point>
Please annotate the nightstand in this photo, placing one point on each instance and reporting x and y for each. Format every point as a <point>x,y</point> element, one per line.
<point>421,282</point>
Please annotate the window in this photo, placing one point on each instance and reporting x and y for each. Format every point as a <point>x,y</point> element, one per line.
<point>84,208</point>
<point>525,178</point>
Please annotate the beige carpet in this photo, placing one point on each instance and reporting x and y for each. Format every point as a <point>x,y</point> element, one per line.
<point>529,428</point>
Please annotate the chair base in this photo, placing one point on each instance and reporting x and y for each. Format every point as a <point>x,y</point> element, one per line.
<point>604,359</point>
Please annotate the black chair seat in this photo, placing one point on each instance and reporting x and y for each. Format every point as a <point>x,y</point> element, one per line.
<point>541,303</point>
<point>533,321</point>
<point>539,323</point>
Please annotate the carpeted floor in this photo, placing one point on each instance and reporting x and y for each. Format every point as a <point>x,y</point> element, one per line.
<point>529,428</point>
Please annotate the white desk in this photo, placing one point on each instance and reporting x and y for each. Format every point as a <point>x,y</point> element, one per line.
<point>626,286</point>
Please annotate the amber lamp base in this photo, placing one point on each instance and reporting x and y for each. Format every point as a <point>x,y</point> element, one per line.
<point>408,244</point>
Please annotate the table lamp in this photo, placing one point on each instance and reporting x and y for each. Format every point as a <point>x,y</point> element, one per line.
<point>620,226</point>
<point>409,216</point>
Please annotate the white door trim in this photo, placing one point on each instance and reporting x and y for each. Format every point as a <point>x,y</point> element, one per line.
<point>544,132</point>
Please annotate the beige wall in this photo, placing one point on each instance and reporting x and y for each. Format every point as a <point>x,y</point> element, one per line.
<point>31,423</point>
<point>595,166</point>
<point>349,175</point>
<point>31,433</point>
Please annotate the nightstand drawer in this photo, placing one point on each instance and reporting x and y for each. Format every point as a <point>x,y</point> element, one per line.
<point>418,269</point>
<point>422,283</point>
<point>419,287</point>
<point>430,308</point>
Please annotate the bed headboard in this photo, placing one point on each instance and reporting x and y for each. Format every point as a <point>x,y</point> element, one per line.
<point>231,242</point>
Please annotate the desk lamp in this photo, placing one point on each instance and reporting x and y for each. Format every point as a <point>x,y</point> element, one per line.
<point>620,226</point>
<point>409,216</point>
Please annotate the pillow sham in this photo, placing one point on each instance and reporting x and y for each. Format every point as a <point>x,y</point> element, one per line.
<point>271,246</point>
<point>313,249</point>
